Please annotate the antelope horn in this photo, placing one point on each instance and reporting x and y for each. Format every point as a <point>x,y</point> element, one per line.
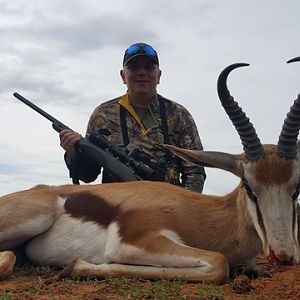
<point>287,143</point>
<point>251,143</point>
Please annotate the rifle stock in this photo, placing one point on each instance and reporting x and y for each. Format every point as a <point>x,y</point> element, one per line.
<point>107,161</point>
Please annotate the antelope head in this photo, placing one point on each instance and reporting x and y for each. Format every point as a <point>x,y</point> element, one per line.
<point>270,177</point>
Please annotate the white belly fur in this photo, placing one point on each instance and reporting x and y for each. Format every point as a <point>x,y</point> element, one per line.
<point>68,239</point>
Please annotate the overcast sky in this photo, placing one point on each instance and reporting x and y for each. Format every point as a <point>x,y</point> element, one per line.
<point>65,55</point>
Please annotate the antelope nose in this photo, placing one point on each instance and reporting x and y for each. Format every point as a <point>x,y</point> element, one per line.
<point>280,258</point>
<point>284,258</point>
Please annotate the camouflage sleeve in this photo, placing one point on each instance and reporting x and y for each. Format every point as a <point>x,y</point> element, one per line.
<point>192,176</point>
<point>107,116</point>
<point>96,119</point>
<point>83,167</point>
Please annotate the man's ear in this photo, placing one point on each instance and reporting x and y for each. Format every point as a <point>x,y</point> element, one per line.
<point>159,74</point>
<point>122,76</point>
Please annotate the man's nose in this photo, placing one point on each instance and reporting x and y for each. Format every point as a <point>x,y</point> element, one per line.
<point>141,69</point>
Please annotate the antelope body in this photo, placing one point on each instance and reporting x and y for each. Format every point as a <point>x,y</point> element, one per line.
<point>156,230</point>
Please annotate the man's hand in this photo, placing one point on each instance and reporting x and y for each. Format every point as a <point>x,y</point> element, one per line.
<point>68,139</point>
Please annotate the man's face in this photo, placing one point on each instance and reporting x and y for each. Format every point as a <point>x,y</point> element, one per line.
<point>141,75</point>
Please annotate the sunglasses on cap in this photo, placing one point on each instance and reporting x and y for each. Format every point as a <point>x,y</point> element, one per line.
<point>140,49</point>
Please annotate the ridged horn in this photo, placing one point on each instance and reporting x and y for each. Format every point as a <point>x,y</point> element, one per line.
<point>252,146</point>
<point>287,143</point>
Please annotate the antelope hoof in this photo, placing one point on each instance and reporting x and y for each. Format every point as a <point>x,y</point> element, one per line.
<point>7,262</point>
<point>70,269</point>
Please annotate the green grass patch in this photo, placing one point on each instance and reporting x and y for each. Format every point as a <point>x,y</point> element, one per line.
<point>6,295</point>
<point>209,291</point>
<point>158,290</point>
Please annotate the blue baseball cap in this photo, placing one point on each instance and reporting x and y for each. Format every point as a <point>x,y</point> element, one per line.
<point>140,49</point>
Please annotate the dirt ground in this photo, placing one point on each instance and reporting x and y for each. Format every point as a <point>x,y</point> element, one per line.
<point>44,283</point>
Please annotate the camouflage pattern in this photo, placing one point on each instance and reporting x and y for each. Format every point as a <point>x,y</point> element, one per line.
<point>182,131</point>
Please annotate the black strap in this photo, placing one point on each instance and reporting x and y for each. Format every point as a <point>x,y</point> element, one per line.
<point>164,123</point>
<point>123,125</point>
<point>163,116</point>
<point>73,169</point>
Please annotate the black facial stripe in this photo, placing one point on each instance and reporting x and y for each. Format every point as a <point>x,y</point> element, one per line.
<point>249,191</point>
<point>260,220</point>
<point>258,212</point>
<point>296,193</point>
<point>294,217</point>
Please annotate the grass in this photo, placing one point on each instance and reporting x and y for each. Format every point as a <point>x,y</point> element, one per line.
<point>38,282</point>
<point>209,291</point>
<point>146,289</point>
<point>43,281</point>
<point>6,295</point>
<point>158,290</point>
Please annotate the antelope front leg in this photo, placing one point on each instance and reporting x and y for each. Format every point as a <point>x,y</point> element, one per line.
<point>7,262</point>
<point>161,258</point>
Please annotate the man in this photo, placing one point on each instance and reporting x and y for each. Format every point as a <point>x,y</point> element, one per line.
<point>141,118</point>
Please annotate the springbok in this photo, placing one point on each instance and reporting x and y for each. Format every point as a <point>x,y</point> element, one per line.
<point>157,230</point>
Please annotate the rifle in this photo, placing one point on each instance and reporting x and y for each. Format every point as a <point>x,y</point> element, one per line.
<point>125,170</point>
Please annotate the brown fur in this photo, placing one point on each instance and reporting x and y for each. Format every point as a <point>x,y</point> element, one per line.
<point>140,219</point>
<point>267,170</point>
<point>144,208</point>
<point>33,202</point>
<point>89,207</point>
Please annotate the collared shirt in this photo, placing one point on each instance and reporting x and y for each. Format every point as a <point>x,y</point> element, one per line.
<point>182,131</point>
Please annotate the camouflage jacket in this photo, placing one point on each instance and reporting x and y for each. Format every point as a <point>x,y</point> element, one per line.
<point>182,133</point>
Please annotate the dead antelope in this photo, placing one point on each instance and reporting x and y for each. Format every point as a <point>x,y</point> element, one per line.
<point>156,230</point>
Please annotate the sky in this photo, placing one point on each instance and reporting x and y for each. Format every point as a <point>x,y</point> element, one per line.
<point>65,56</point>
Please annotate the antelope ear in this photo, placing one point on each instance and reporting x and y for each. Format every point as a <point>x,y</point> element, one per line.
<point>225,161</point>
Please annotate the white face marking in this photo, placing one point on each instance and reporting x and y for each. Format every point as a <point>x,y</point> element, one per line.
<point>276,206</point>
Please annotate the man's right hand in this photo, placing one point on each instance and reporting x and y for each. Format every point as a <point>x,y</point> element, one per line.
<point>68,139</point>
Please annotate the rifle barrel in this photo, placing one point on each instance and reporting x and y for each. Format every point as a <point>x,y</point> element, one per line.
<point>105,159</point>
<point>37,109</point>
